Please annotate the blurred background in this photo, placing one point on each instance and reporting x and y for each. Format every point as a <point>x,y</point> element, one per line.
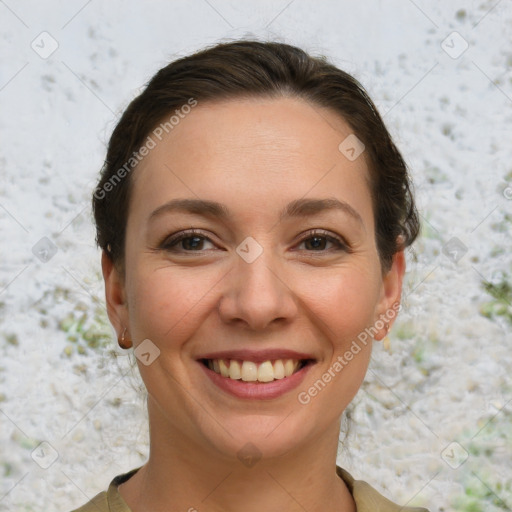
<point>431,425</point>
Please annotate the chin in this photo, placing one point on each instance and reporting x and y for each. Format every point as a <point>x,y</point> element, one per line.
<point>253,437</point>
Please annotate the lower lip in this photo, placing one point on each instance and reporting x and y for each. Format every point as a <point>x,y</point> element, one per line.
<point>257,390</point>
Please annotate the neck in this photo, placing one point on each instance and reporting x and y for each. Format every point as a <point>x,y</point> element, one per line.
<point>188,477</point>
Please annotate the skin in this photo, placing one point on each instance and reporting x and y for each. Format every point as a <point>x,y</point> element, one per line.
<point>254,156</point>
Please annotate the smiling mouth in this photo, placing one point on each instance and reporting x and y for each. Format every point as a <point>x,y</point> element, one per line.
<point>249,371</point>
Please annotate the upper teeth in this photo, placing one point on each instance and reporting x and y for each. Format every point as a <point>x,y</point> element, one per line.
<point>251,372</point>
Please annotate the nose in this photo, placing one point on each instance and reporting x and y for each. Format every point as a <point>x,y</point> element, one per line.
<point>257,295</point>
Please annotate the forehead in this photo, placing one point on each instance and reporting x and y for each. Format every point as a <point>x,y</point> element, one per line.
<point>254,151</point>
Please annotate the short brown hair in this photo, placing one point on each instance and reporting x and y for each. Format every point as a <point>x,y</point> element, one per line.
<point>247,68</point>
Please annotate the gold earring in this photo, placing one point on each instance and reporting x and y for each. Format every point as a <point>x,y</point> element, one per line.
<point>386,342</point>
<point>124,343</point>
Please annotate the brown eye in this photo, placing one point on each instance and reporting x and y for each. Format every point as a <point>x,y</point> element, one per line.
<point>191,241</point>
<point>317,242</point>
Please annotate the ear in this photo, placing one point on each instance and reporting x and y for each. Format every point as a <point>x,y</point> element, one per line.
<point>114,294</point>
<point>391,294</point>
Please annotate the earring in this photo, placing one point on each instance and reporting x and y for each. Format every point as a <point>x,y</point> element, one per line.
<point>386,342</point>
<point>124,343</point>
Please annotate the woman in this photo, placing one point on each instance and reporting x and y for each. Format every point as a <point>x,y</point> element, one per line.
<point>253,213</point>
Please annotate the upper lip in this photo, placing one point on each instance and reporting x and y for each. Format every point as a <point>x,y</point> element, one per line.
<point>257,356</point>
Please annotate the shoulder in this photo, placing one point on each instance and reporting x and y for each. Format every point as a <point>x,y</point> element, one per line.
<point>369,499</point>
<point>109,500</point>
<point>97,504</point>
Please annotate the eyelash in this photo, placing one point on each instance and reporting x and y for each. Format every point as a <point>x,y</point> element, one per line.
<point>170,243</point>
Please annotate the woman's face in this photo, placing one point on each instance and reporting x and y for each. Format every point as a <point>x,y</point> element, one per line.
<point>268,270</point>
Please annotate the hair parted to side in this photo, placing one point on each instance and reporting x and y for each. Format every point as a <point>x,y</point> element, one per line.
<point>248,68</point>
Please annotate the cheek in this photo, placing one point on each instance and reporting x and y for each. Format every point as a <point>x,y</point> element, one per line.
<point>343,301</point>
<point>343,308</point>
<point>164,303</point>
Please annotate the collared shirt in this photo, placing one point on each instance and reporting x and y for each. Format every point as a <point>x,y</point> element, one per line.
<point>367,499</point>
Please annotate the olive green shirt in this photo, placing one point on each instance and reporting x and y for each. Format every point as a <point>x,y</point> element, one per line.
<point>367,499</point>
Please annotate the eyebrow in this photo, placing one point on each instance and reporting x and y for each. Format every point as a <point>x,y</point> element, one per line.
<point>297,208</point>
